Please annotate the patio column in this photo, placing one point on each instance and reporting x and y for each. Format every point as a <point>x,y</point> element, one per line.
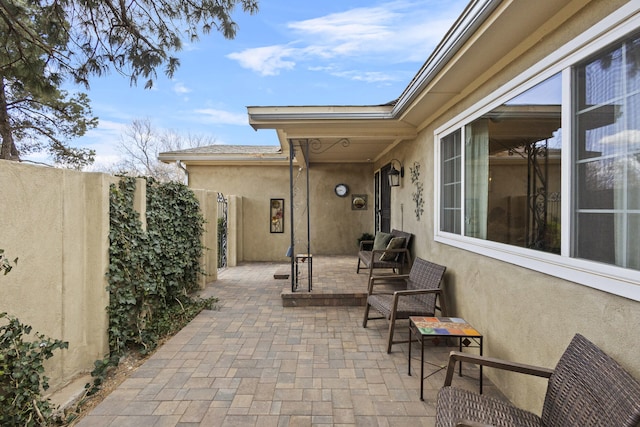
<point>292,153</point>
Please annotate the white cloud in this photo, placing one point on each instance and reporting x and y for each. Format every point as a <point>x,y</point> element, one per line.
<point>393,32</point>
<point>346,33</point>
<point>366,76</point>
<point>103,163</point>
<point>109,128</point>
<point>267,61</point>
<point>102,139</point>
<point>222,117</point>
<point>180,88</point>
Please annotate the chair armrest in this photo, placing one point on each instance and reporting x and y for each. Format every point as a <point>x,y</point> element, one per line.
<point>386,280</point>
<point>390,277</point>
<point>491,362</point>
<point>409,292</point>
<point>467,423</point>
<point>417,292</point>
<point>381,251</point>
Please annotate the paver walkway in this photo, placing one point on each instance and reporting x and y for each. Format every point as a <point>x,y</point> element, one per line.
<point>253,362</point>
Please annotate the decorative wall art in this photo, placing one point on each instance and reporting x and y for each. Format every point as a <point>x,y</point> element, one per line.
<point>277,215</point>
<point>417,195</point>
<point>359,202</point>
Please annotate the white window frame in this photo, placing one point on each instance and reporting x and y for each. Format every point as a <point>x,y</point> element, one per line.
<point>605,277</point>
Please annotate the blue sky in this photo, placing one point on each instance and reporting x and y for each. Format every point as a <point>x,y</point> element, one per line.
<point>349,52</point>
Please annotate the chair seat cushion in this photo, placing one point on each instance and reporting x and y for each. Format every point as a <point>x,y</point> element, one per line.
<point>381,240</point>
<point>407,306</point>
<point>455,405</point>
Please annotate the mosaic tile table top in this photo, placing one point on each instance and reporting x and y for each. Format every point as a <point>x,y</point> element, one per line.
<point>452,326</point>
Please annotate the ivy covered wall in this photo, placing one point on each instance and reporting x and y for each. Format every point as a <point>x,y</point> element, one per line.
<point>151,271</point>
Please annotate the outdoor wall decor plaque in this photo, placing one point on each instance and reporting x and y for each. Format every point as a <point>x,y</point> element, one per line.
<point>277,215</point>
<point>359,202</point>
<point>417,195</point>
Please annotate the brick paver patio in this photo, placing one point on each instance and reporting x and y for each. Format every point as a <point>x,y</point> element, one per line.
<point>253,362</point>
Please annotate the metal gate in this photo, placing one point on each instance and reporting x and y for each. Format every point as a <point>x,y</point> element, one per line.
<point>222,231</point>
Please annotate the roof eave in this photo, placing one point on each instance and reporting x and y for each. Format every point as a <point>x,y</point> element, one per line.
<point>224,158</point>
<point>265,117</point>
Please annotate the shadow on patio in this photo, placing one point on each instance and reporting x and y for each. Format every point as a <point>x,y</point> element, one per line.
<point>254,362</point>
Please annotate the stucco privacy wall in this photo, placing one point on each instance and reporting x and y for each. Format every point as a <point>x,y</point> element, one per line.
<point>208,201</point>
<point>57,222</point>
<point>524,315</point>
<point>335,227</point>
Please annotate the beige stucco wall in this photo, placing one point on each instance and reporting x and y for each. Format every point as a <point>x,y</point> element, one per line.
<point>208,201</point>
<point>335,227</point>
<point>57,222</point>
<point>524,315</point>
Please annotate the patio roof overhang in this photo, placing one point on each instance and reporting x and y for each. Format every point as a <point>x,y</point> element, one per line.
<point>235,155</point>
<point>336,134</point>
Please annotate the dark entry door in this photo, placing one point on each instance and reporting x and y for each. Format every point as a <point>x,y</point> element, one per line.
<point>384,189</point>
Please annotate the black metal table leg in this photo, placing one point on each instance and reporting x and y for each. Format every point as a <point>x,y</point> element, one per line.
<point>422,368</point>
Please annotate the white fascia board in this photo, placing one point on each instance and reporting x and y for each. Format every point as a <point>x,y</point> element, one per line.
<point>249,158</point>
<point>266,118</point>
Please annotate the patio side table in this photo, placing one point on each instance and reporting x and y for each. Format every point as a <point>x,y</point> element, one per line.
<point>446,327</point>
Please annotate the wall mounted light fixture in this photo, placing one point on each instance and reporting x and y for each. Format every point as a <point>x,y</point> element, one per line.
<point>395,174</point>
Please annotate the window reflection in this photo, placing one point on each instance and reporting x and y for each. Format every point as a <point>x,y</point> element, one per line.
<point>607,156</point>
<point>512,170</point>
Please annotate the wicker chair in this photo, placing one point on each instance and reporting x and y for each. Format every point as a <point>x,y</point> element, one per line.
<point>372,259</point>
<point>587,388</point>
<point>417,297</point>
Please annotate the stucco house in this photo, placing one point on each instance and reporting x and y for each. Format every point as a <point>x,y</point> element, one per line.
<point>518,143</point>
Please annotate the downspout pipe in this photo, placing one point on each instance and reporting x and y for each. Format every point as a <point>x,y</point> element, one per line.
<point>292,250</point>
<point>310,263</point>
<point>186,172</point>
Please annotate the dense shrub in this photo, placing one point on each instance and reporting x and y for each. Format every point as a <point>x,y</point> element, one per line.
<point>22,376</point>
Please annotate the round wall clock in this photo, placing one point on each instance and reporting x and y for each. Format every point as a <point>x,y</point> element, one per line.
<point>341,190</point>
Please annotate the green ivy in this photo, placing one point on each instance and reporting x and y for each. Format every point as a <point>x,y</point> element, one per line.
<point>175,227</point>
<point>153,272</point>
<point>22,374</point>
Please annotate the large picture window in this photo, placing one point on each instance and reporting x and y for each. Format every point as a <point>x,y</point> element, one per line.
<point>607,177</point>
<point>512,171</point>
<point>549,176</point>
